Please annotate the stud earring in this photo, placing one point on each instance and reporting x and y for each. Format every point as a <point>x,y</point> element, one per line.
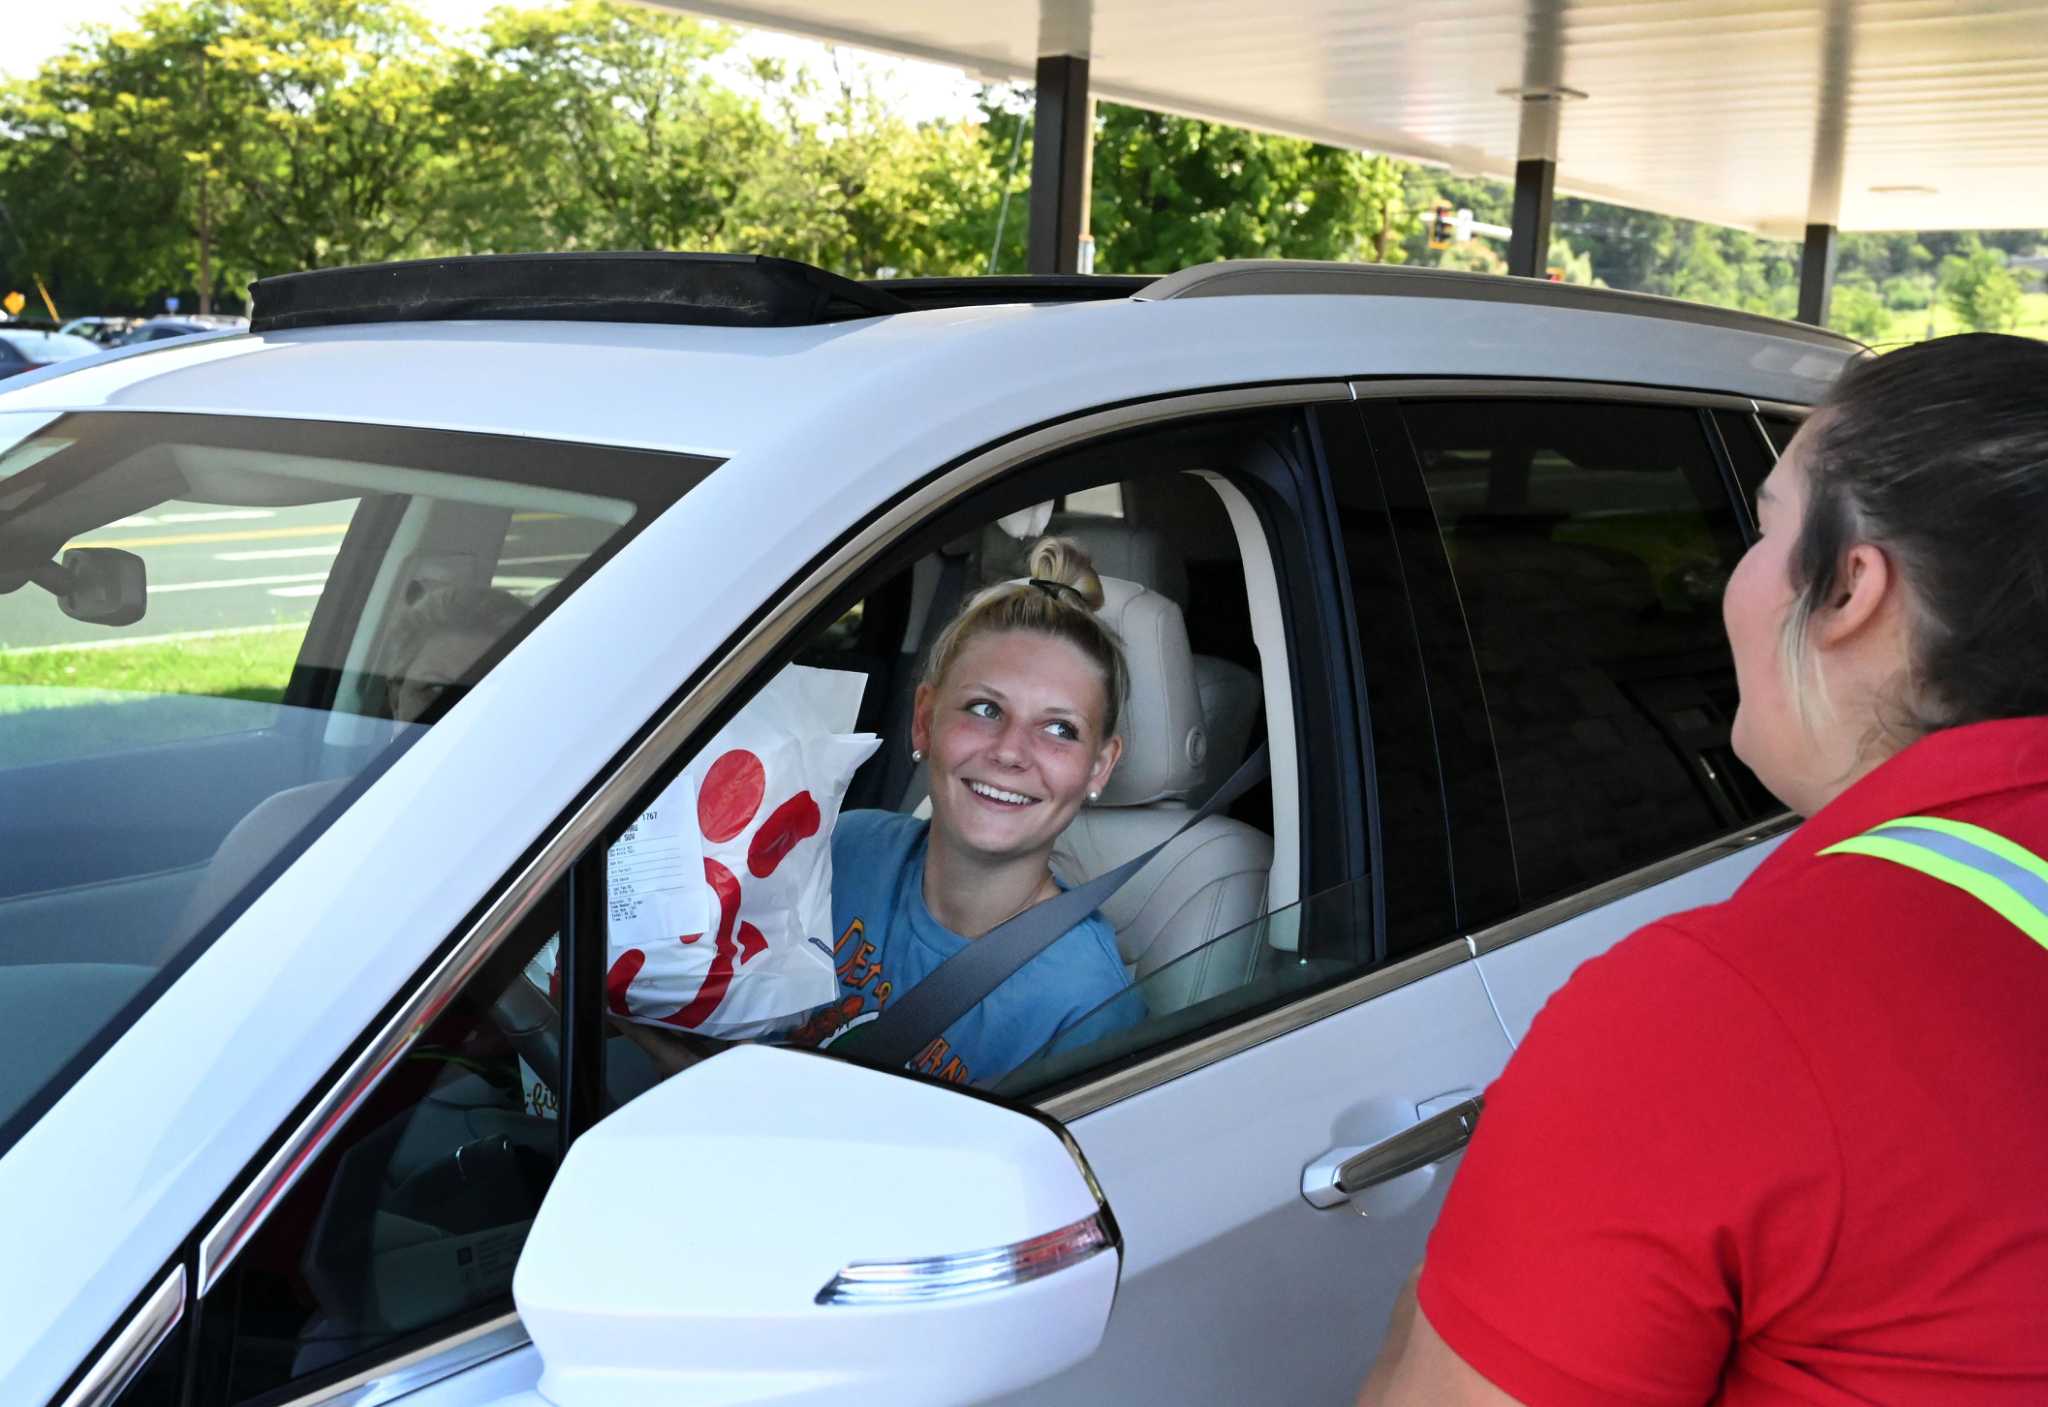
<point>917,754</point>
<point>1095,796</point>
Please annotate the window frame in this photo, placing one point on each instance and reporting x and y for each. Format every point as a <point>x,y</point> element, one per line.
<point>1403,468</point>
<point>1329,835</point>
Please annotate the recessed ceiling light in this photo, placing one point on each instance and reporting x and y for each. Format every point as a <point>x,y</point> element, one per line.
<point>1903,190</point>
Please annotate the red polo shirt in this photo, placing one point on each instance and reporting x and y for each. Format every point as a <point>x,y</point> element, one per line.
<point>1791,1148</point>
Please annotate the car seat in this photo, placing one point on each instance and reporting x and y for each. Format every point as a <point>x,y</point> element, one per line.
<point>1204,891</point>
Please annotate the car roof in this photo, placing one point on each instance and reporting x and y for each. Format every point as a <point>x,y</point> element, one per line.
<point>726,391</point>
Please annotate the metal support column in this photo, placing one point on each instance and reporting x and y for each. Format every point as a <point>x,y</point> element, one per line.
<point>1529,237</point>
<point>1536,157</point>
<point>1817,274</point>
<point>1061,132</point>
<point>1830,141</point>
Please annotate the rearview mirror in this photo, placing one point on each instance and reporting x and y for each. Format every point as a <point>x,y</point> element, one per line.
<point>105,586</point>
<point>776,1225</point>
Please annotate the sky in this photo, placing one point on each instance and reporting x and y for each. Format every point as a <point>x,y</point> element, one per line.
<point>34,31</point>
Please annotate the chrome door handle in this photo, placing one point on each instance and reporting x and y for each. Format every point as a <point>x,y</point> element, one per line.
<point>1332,1180</point>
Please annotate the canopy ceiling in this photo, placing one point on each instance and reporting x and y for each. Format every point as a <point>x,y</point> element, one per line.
<point>1764,114</point>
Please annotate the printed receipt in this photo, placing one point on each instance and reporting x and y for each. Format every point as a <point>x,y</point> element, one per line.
<point>654,881</point>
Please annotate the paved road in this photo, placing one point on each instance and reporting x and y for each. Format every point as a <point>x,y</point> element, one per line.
<point>213,568</point>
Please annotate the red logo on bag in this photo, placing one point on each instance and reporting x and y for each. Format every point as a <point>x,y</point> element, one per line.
<point>727,802</point>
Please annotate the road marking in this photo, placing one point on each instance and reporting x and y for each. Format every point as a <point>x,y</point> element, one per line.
<point>314,590</point>
<point>172,638</point>
<point>219,515</point>
<point>535,561</point>
<point>194,539</point>
<point>273,554</point>
<point>237,581</point>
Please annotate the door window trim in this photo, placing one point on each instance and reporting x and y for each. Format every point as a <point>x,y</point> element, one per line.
<point>147,1329</point>
<point>1172,1064</point>
<point>431,1363</point>
<point>1790,409</point>
<point>1608,891</point>
<point>1498,387</point>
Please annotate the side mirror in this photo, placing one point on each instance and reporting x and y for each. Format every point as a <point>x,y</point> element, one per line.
<point>777,1225</point>
<point>104,586</point>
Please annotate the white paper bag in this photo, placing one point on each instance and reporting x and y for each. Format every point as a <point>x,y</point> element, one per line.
<point>721,892</point>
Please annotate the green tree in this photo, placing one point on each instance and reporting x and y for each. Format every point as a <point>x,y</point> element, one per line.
<point>1571,266</point>
<point>601,125</point>
<point>1909,292</point>
<point>1857,310</point>
<point>1977,285</point>
<point>1173,191</point>
<point>103,175</point>
<point>329,135</point>
<point>1704,274</point>
<point>860,191</point>
<point>219,140</point>
<point>1632,249</point>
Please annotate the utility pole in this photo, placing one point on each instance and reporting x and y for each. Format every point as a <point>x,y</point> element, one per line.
<point>205,193</point>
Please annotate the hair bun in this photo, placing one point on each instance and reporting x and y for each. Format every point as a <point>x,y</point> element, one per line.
<point>1064,561</point>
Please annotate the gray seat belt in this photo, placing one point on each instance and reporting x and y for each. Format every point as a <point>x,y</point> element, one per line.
<point>952,989</point>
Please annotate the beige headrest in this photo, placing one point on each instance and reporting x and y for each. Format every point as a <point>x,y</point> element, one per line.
<point>1114,546</point>
<point>1164,741</point>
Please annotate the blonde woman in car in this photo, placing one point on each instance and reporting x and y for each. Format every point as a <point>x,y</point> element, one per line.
<point>1015,723</point>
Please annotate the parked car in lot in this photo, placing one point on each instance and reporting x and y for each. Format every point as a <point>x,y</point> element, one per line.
<point>107,331</point>
<point>307,1087</point>
<point>29,349</point>
<point>157,329</point>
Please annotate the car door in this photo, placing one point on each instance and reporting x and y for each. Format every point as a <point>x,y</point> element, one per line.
<point>1236,1288</point>
<point>1586,536</point>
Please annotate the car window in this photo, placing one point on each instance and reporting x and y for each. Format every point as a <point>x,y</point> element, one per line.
<point>756,952</point>
<point>1590,545</point>
<point>210,629</point>
<point>1328,934</point>
<point>414,1215</point>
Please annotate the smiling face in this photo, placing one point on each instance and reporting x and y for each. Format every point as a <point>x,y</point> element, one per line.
<point>1013,740</point>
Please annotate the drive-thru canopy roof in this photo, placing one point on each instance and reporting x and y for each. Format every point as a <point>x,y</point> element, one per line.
<point>1772,115</point>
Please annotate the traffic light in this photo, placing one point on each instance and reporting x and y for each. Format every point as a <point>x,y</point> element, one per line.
<point>1440,230</point>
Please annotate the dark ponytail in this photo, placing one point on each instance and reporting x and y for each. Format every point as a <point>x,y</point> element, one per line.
<point>1938,453</point>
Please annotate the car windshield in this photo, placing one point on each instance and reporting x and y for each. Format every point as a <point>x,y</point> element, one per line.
<point>214,633</point>
<point>50,346</point>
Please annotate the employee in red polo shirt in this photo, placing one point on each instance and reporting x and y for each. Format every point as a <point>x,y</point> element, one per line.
<point>1793,1148</point>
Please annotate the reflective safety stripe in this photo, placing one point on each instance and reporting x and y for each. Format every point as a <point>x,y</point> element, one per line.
<point>2006,877</point>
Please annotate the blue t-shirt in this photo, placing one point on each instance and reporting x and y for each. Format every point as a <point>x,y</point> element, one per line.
<point>889,942</point>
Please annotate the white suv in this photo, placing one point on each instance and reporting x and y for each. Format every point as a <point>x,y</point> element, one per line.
<point>283,1111</point>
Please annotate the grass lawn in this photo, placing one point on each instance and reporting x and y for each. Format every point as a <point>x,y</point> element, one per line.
<point>1911,326</point>
<point>253,665</point>
<point>57,704</point>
